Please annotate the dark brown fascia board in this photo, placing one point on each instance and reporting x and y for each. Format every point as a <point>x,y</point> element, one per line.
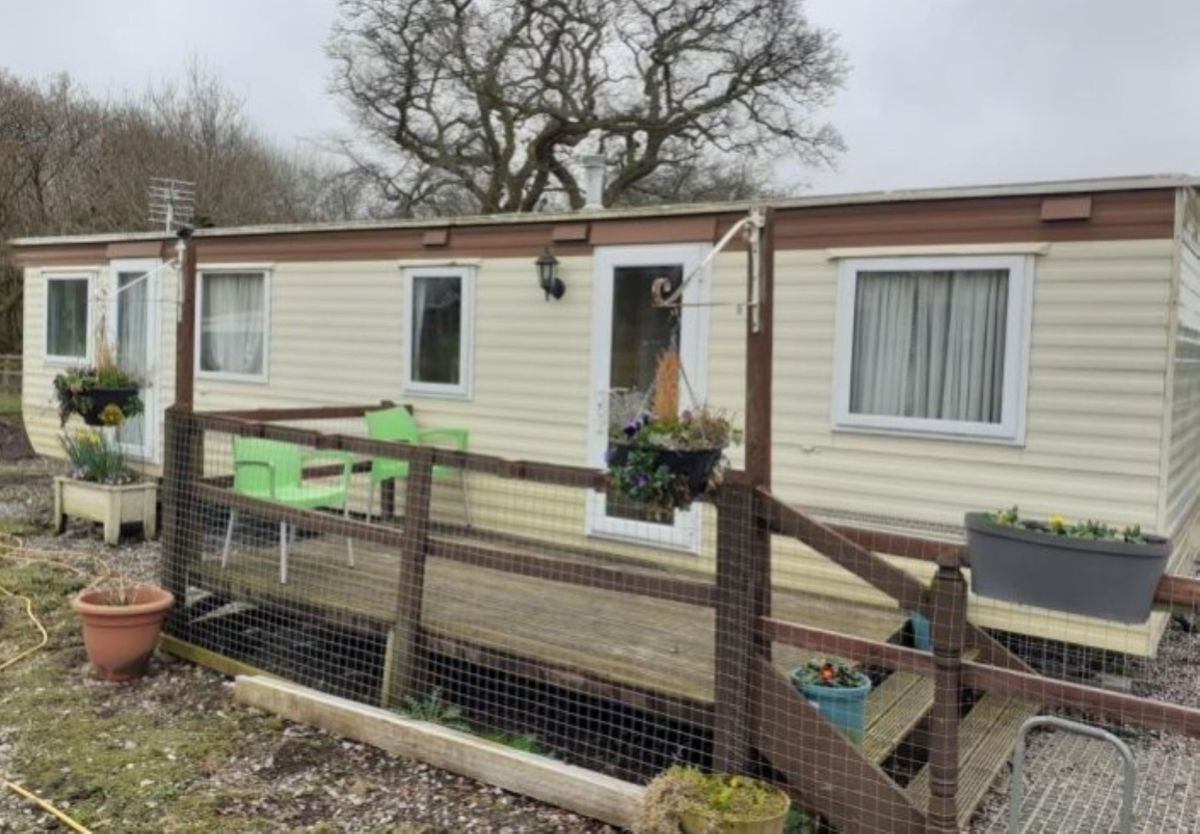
<point>1168,182</point>
<point>929,220</point>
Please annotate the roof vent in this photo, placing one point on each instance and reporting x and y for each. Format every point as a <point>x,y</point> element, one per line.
<point>593,180</point>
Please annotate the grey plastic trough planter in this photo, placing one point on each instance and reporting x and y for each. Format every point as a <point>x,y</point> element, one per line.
<point>1112,580</point>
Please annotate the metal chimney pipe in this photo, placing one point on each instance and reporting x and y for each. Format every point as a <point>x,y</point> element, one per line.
<point>593,180</point>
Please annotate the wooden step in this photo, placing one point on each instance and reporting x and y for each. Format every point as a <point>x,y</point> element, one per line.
<point>986,738</point>
<point>894,709</point>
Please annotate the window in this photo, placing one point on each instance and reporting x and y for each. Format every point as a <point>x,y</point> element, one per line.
<point>933,345</point>
<point>68,319</point>
<point>232,332</point>
<point>439,316</point>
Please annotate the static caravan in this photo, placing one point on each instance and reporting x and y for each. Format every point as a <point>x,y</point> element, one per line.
<point>935,352</point>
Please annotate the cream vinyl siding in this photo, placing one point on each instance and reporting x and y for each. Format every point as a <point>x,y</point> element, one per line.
<point>37,385</point>
<point>1095,400</point>
<point>1097,364</point>
<point>338,336</point>
<point>1183,465</point>
<point>1098,357</point>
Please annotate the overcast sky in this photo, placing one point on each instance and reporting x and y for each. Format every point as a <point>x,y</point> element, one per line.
<point>941,92</point>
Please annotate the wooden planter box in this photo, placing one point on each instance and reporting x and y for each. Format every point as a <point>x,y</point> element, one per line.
<point>109,505</point>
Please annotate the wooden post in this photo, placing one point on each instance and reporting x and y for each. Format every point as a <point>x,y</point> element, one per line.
<point>949,625</point>
<point>405,639</point>
<point>185,332</point>
<point>759,361</point>
<point>742,596</point>
<point>183,466</point>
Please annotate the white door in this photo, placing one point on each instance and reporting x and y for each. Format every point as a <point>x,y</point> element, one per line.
<point>628,335</point>
<point>133,331</point>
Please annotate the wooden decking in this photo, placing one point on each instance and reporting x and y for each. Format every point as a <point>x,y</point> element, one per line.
<point>639,641</point>
<point>647,651</point>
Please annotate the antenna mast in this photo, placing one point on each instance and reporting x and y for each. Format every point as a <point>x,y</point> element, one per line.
<point>172,202</point>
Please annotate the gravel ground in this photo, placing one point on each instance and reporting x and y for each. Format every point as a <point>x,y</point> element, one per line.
<point>1073,784</point>
<point>173,752</point>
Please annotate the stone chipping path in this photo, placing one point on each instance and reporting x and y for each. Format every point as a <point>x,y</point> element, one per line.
<point>1073,784</point>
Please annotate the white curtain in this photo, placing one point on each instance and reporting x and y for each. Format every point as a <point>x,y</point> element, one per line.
<point>436,329</point>
<point>66,322</point>
<point>133,342</point>
<point>231,323</point>
<point>930,344</point>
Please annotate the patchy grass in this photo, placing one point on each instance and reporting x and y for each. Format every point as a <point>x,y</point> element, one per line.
<point>10,403</point>
<point>173,753</point>
<point>88,745</point>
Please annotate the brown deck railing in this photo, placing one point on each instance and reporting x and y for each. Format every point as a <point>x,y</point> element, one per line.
<point>754,710</point>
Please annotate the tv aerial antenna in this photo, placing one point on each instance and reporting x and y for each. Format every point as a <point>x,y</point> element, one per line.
<point>172,203</point>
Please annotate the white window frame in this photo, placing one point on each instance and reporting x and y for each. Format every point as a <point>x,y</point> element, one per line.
<point>88,347</point>
<point>466,345</point>
<point>228,376</point>
<point>1011,428</point>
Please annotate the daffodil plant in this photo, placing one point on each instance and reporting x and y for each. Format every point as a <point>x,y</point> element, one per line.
<point>1060,525</point>
<point>96,458</point>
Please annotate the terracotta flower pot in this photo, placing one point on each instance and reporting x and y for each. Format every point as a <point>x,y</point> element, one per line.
<point>120,638</point>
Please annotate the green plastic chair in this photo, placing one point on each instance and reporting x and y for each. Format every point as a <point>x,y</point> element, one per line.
<point>397,425</point>
<point>272,470</point>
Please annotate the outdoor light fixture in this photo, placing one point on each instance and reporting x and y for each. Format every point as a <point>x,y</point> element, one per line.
<point>548,280</point>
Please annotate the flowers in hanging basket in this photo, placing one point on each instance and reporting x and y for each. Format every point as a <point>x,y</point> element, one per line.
<point>104,394</point>
<point>1062,526</point>
<point>829,671</point>
<point>664,458</point>
<point>94,394</point>
<point>665,464</point>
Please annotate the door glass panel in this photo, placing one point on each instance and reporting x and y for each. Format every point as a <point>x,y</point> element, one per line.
<point>640,334</point>
<point>133,345</point>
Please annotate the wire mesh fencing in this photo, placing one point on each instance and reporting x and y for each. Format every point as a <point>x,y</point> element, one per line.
<point>522,602</point>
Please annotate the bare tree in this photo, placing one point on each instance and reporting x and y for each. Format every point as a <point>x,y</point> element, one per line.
<point>486,101</point>
<point>72,164</point>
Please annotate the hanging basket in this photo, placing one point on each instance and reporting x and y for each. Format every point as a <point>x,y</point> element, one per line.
<point>662,480</point>
<point>101,398</point>
<point>694,466</point>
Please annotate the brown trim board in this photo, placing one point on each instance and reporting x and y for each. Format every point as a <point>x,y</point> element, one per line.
<point>1115,215</point>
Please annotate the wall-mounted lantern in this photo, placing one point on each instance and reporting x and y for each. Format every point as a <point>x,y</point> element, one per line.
<point>548,278</point>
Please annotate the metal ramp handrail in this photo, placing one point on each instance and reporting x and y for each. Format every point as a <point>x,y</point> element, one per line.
<point>1017,786</point>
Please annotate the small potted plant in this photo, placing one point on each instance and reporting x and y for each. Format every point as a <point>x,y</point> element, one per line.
<point>1085,567</point>
<point>103,394</point>
<point>664,458</point>
<point>839,689</point>
<point>711,803</point>
<point>121,623</point>
<point>101,488</point>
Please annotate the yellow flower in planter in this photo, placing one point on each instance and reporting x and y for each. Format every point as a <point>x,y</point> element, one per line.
<point>112,415</point>
<point>1058,523</point>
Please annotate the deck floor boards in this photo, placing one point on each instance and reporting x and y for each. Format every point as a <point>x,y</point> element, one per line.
<point>636,640</point>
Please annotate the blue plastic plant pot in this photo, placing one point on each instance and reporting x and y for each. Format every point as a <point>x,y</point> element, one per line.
<point>845,706</point>
<point>922,631</point>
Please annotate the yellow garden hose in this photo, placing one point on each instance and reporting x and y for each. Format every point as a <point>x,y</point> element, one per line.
<point>47,807</point>
<point>36,623</point>
<point>45,638</point>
